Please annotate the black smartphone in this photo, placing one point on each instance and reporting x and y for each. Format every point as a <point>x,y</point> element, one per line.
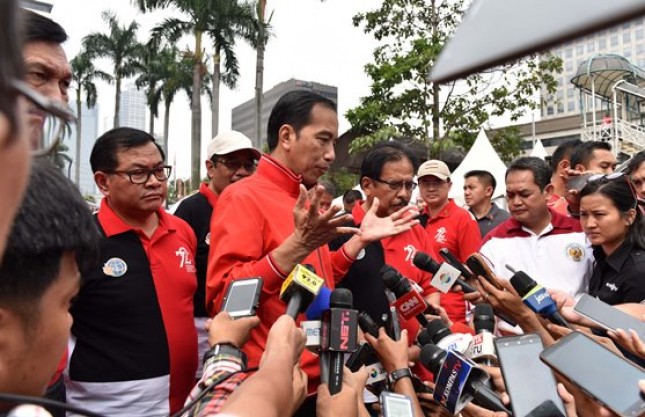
<point>478,264</point>
<point>605,376</point>
<point>577,182</point>
<point>608,317</point>
<point>529,382</point>
<point>396,405</point>
<point>242,297</point>
<point>419,386</point>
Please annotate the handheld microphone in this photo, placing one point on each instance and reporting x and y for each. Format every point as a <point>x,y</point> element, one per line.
<point>409,303</point>
<point>339,335</point>
<point>299,290</point>
<point>536,297</point>
<point>441,336</point>
<point>482,348</point>
<point>459,381</point>
<point>444,275</point>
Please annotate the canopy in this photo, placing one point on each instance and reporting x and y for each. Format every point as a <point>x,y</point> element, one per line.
<point>539,151</point>
<point>480,156</point>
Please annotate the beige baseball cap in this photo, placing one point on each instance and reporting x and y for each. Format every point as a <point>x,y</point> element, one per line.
<point>435,168</point>
<point>230,141</point>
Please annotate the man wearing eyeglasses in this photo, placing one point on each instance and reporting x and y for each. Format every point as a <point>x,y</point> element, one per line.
<point>134,345</point>
<point>231,157</point>
<point>447,225</point>
<point>46,67</point>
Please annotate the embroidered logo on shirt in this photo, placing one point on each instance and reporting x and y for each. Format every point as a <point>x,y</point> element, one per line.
<point>613,287</point>
<point>185,260</point>
<point>575,252</point>
<point>115,267</point>
<point>410,251</point>
<point>440,236</point>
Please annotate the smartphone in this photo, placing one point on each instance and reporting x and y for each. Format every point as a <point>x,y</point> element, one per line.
<point>577,182</point>
<point>242,297</point>
<point>529,382</point>
<point>396,405</point>
<point>607,316</point>
<point>419,386</point>
<point>605,376</point>
<point>478,264</point>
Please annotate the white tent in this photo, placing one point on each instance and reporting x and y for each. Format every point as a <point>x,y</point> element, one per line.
<point>480,156</point>
<point>538,150</point>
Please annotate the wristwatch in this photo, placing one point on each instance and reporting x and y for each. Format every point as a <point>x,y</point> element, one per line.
<point>226,349</point>
<point>392,377</point>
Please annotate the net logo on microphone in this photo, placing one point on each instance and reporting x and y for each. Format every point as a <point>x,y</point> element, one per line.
<point>345,320</point>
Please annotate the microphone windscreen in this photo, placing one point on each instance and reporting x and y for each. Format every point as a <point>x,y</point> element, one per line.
<point>484,318</point>
<point>431,358</point>
<point>390,276</point>
<point>522,283</point>
<point>437,330</point>
<point>425,262</point>
<point>319,304</point>
<point>341,298</point>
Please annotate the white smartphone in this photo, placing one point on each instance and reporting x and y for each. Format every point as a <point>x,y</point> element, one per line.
<point>396,405</point>
<point>242,297</point>
<point>607,316</point>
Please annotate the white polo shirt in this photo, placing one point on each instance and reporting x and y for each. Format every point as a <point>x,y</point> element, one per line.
<point>560,257</point>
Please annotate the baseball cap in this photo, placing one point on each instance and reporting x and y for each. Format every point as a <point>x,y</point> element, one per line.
<point>230,141</point>
<point>435,168</point>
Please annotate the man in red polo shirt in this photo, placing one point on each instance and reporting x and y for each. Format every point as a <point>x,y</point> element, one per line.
<point>447,225</point>
<point>259,233</point>
<point>133,350</point>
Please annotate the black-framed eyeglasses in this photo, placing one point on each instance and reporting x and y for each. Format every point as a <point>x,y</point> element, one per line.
<point>235,164</point>
<point>398,185</point>
<point>140,176</point>
<point>618,175</point>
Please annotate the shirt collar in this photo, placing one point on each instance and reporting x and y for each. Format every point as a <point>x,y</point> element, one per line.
<point>112,224</point>
<point>490,215</point>
<point>358,214</point>
<point>617,259</point>
<point>279,174</point>
<point>445,211</point>
<point>558,221</point>
<point>210,195</point>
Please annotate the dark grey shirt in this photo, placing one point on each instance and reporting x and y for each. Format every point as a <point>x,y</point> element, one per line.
<point>491,220</point>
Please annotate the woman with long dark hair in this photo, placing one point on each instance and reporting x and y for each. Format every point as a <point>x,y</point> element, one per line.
<point>614,224</point>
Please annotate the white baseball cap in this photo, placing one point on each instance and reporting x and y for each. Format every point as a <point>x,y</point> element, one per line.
<point>435,168</point>
<point>228,142</point>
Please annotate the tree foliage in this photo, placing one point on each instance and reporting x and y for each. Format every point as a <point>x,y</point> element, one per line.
<point>403,102</point>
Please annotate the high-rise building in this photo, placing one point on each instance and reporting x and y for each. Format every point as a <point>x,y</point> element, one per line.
<point>89,134</point>
<point>132,111</point>
<point>627,40</point>
<point>243,116</point>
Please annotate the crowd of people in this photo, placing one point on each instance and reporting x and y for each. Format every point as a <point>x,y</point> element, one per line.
<point>119,313</point>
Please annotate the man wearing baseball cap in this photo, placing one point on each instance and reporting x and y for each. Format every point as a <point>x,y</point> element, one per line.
<point>231,157</point>
<point>448,226</point>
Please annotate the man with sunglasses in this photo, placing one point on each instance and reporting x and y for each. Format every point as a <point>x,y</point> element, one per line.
<point>134,345</point>
<point>231,157</point>
<point>447,225</point>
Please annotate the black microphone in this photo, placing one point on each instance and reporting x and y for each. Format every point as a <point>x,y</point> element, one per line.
<point>450,390</point>
<point>537,298</point>
<point>482,349</point>
<point>409,303</point>
<point>452,260</point>
<point>367,324</point>
<point>339,334</point>
<point>445,339</point>
<point>424,262</point>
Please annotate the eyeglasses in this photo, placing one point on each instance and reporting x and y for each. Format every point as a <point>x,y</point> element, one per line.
<point>235,164</point>
<point>142,175</point>
<point>398,185</point>
<point>606,178</point>
<point>428,183</point>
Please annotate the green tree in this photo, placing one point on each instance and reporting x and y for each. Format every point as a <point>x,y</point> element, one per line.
<point>149,79</point>
<point>83,75</point>
<point>403,102</point>
<point>119,45</point>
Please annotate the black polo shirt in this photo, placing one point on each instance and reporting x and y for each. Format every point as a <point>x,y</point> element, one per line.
<point>619,277</point>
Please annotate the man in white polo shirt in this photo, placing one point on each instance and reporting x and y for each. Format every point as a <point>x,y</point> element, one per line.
<point>549,247</point>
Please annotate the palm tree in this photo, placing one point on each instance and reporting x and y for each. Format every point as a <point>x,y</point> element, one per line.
<point>83,75</point>
<point>150,78</point>
<point>200,18</point>
<point>120,45</point>
<point>229,20</point>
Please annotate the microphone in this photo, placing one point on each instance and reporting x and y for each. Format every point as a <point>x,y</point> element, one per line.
<point>339,334</point>
<point>299,290</point>
<point>536,297</point>
<point>444,276</point>
<point>441,336</point>
<point>409,303</point>
<point>458,381</point>
<point>482,348</point>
